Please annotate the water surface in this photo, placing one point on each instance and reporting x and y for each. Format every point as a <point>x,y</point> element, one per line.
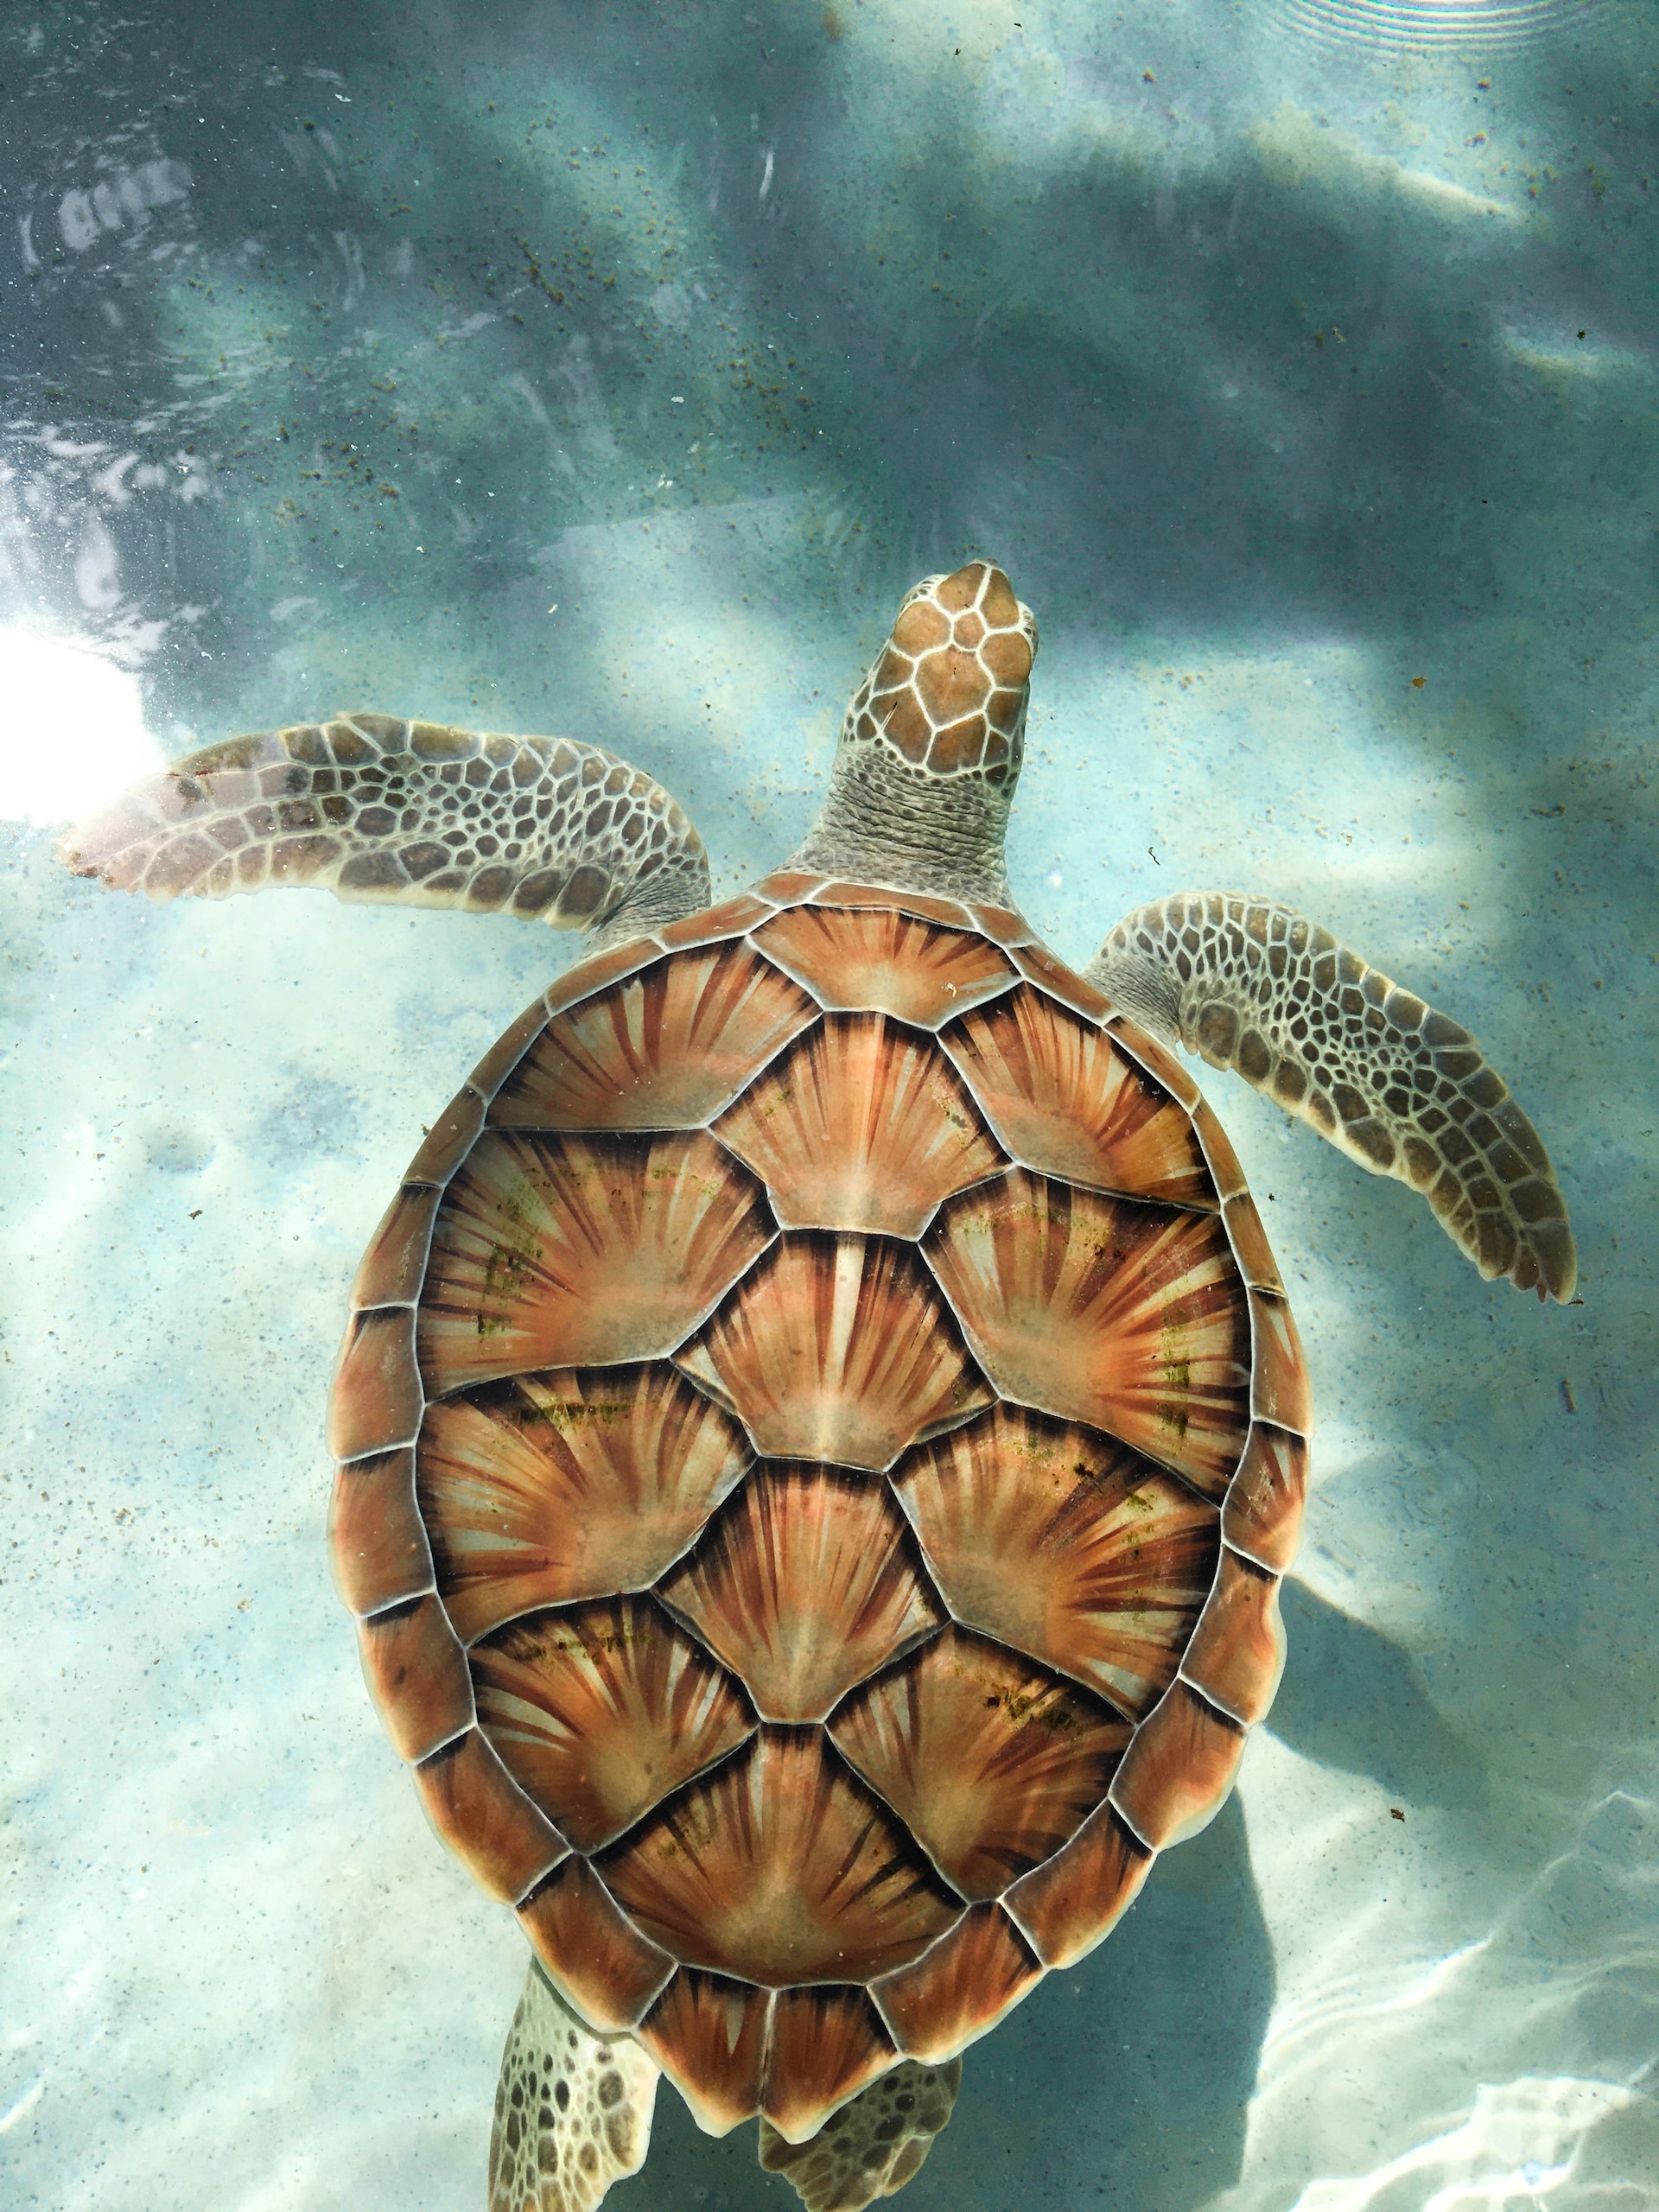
<point>612,373</point>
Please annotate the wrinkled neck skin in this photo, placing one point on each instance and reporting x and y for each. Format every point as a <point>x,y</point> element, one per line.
<point>884,822</point>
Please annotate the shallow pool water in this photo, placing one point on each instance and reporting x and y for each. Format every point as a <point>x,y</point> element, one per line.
<point>612,373</point>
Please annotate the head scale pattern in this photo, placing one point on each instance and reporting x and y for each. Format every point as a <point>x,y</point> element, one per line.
<point>947,693</point>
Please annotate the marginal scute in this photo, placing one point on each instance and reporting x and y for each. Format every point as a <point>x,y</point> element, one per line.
<point>1279,1387</point>
<point>803,1585</point>
<point>609,1972</point>
<point>860,1126</point>
<point>837,1348</point>
<point>449,1140</point>
<point>943,910</point>
<point>1179,1769</point>
<point>990,1762</point>
<point>959,1990</point>
<point>599,1711</point>
<point>708,2035</point>
<point>573,1484</point>
<point>851,958</point>
<point>787,887</point>
<point>1067,1101</point>
<point>484,1818</point>
<point>1262,1514</point>
<point>1003,926</point>
<point>715,923</point>
<point>1162,1065</point>
<point>376,1400</point>
<point>1126,1316</point>
<point>779,1868</point>
<point>1065,1544</point>
<point>1238,1651</point>
<point>389,1272</point>
<point>1251,1247</point>
<point>1073,1901</point>
<point>1038,964</point>
<point>571,1250</point>
<point>416,1673</point>
<point>584,978</point>
<point>376,1539</point>
<point>1222,1160</point>
<point>508,1049</point>
<point>663,1049</point>
<point>826,2045</point>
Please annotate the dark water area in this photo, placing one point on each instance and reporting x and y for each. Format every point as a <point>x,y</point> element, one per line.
<point>611,371</point>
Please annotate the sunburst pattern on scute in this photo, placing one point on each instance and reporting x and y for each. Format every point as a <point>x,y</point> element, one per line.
<point>861,1126</point>
<point>1066,1100</point>
<point>789,1422</point>
<point>779,1868</point>
<point>662,1050</point>
<point>990,1761</point>
<point>708,2035</point>
<point>1105,1310</point>
<point>569,1251</point>
<point>803,1585</point>
<point>1065,1544</point>
<point>574,1484</point>
<point>838,1349</point>
<point>598,1713</point>
<point>850,957</point>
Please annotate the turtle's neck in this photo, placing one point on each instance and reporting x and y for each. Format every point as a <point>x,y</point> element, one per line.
<point>884,822</point>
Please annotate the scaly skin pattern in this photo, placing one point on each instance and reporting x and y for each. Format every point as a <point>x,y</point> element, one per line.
<point>932,743</point>
<point>872,2146</point>
<point>1401,1090</point>
<point>415,814</point>
<point>572,2110</point>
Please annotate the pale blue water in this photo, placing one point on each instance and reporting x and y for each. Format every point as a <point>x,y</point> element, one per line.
<point>1283,365</point>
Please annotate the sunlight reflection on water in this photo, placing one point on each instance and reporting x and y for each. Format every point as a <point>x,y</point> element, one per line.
<point>73,731</point>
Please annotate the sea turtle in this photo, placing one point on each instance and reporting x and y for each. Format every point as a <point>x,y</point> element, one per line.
<point>820,1427</point>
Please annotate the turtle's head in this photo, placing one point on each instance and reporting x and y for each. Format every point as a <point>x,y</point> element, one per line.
<point>930,748</point>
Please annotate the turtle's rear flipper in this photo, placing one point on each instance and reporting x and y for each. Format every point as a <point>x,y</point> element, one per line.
<point>1403,1090</point>
<point>873,2145</point>
<point>572,2110</point>
<point>372,807</point>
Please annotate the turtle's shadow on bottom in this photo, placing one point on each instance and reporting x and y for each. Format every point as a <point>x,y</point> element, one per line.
<point>1125,2079</point>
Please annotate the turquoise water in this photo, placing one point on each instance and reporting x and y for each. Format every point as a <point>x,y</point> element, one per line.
<point>1304,377</point>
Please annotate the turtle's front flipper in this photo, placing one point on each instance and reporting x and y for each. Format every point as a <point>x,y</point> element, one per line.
<point>1400,1089</point>
<point>572,2110</point>
<point>872,2145</point>
<point>370,807</point>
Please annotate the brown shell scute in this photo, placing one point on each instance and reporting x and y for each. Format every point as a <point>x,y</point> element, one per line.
<point>781,1868</point>
<point>990,1762</point>
<point>574,1484</point>
<point>837,1348</point>
<point>1063,1544</point>
<point>597,1713</point>
<point>1067,1101</point>
<point>803,1585</point>
<point>568,1251</point>
<point>850,957</point>
<point>861,1126</point>
<point>820,1432</point>
<point>663,1049</point>
<point>1103,1310</point>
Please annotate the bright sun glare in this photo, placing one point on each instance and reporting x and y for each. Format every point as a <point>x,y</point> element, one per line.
<point>72,729</point>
